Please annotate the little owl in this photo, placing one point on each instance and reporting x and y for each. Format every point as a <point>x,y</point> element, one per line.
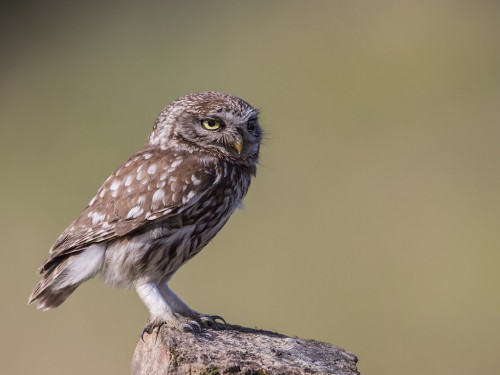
<point>160,208</point>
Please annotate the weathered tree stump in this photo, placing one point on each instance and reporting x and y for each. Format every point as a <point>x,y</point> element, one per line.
<point>237,350</point>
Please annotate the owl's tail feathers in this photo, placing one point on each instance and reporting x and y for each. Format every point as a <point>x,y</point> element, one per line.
<point>64,275</point>
<point>51,291</point>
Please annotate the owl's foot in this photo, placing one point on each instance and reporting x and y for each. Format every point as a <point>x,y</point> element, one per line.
<point>168,309</point>
<point>194,323</point>
<point>183,311</point>
<point>180,323</point>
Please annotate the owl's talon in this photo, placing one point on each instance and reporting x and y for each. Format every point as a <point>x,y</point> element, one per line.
<point>190,326</point>
<point>186,327</point>
<point>150,328</point>
<point>218,317</point>
<point>212,321</point>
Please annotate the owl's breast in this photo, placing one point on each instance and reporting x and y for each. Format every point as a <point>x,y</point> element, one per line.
<point>218,204</point>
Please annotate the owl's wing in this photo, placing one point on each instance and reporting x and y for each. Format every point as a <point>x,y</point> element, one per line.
<point>149,186</point>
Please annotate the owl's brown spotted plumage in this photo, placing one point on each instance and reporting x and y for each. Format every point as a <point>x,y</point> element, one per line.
<point>161,207</point>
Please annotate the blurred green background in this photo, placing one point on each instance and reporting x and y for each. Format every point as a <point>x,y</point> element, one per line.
<point>373,222</point>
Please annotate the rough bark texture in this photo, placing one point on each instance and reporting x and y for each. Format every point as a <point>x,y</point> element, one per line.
<point>237,350</point>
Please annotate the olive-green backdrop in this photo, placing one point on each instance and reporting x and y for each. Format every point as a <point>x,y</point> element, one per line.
<point>374,220</point>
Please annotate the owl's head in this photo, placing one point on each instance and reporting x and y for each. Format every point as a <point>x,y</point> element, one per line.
<point>213,122</point>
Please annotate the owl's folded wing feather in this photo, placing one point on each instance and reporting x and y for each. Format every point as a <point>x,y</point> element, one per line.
<point>149,186</point>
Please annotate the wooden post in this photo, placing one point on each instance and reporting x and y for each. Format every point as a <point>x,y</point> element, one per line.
<point>237,350</point>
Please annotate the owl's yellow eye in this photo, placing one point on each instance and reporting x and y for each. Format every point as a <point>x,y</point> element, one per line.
<point>211,124</point>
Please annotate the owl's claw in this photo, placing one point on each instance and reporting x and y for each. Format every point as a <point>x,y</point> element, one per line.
<point>150,328</point>
<point>212,321</point>
<point>193,324</point>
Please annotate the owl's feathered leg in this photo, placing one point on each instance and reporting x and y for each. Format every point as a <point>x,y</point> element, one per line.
<point>151,296</point>
<point>166,308</point>
<point>160,310</point>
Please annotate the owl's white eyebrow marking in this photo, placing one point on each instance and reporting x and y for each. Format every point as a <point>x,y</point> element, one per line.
<point>135,212</point>
<point>152,169</point>
<point>115,185</point>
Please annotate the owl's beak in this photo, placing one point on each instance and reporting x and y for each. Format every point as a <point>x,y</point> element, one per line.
<point>238,145</point>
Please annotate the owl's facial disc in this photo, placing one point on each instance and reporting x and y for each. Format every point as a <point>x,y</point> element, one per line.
<point>217,123</point>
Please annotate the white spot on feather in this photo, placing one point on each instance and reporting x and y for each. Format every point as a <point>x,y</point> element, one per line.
<point>97,217</point>
<point>158,196</point>
<point>115,185</point>
<point>187,197</point>
<point>152,169</point>
<point>135,212</point>
<point>174,165</point>
<point>140,175</point>
<point>194,180</point>
<point>141,200</point>
<point>129,180</point>
<point>102,193</point>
